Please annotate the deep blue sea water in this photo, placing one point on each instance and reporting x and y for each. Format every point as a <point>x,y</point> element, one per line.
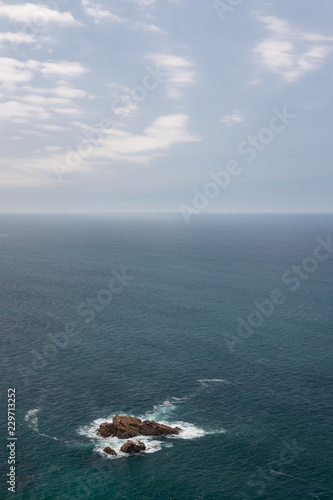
<point>255,405</point>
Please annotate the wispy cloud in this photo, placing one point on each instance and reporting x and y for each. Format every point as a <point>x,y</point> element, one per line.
<point>14,71</point>
<point>21,112</point>
<point>148,3</point>
<point>52,148</point>
<point>164,132</point>
<point>62,69</point>
<point>148,27</point>
<point>235,117</point>
<point>289,52</point>
<point>36,13</point>
<point>18,37</point>
<point>46,101</point>
<point>179,72</point>
<point>52,128</point>
<point>64,89</point>
<point>100,14</point>
<point>34,171</point>
<point>28,103</point>
<point>145,3</point>
<point>118,145</point>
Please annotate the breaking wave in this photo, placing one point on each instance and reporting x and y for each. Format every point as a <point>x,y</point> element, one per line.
<point>163,414</point>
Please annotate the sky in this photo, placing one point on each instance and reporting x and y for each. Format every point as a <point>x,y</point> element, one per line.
<point>185,106</point>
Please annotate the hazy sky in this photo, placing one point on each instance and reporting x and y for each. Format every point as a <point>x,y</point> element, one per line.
<point>166,105</point>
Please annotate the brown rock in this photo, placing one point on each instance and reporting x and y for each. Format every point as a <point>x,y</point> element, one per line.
<point>110,451</point>
<point>128,427</point>
<point>133,446</point>
<point>106,430</point>
<point>152,428</point>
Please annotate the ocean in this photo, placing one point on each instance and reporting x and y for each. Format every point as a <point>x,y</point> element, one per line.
<point>222,327</point>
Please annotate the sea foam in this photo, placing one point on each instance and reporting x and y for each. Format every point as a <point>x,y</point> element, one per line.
<point>163,414</point>
<point>31,418</point>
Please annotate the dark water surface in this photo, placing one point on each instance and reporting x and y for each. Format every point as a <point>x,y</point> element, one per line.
<point>255,405</point>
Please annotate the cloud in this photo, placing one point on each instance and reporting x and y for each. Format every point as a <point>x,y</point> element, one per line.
<point>19,37</point>
<point>62,68</point>
<point>99,14</point>
<point>33,104</point>
<point>40,100</point>
<point>291,53</point>
<point>65,90</point>
<point>148,27</point>
<point>161,135</point>
<point>57,105</point>
<point>52,128</point>
<point>22,112</point>
<point>179,72</point>
<point>67,111</point>
<point>145,3</point>
<point>38,14</point>
<point>62,90</point>
<point>148,3</point>
<point>52,148</point>
<point>35,171</point>
<point>14,71</point>
<point>33,132</point>
<point>232,119</point>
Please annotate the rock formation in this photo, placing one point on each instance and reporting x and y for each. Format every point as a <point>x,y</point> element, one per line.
<point>105,430</point>
<point>133,446</point>
<point>110,451</point>
<point>128,427</point>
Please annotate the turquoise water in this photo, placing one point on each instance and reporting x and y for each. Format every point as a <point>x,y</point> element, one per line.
<point>255,405</point>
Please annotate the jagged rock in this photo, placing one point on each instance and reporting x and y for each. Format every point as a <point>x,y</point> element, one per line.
<point>106,430</point>
<point>127,427</point>
<point>133,446</point>
<point>110,451</point>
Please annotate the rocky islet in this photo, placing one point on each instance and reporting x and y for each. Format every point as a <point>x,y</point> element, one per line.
<point>124,427</point>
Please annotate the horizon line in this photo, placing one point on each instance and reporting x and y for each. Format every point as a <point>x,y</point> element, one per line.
<point>35,212</point>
